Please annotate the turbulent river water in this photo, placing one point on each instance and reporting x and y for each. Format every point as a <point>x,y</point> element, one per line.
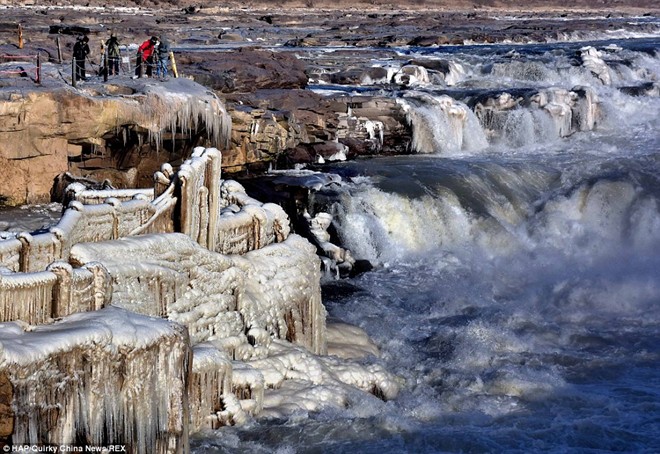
<point>516,291</point>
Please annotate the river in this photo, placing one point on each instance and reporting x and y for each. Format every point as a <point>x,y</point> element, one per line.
<point>516,287</point>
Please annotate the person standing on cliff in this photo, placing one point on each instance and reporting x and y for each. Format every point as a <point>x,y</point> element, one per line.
<point>144,57</point>
<point>163,55</point>
<point>112,46</point>
<point>80,53</point>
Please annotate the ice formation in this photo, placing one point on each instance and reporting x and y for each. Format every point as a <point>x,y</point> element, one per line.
<point>335,259</point>
<point>412,75</point>
<point>447,73</point>
<point>214,295</point>
<point>184,110</point>
<point>455,74</point>
<point>288,371</point>
<point>377,75</point>
<point>441,124</point>
<point>556,102</point>
<point>370,131</point>
<point>146,315</point>
<point>550,112</point>
<point>89,377</point>
<point>591,59</point>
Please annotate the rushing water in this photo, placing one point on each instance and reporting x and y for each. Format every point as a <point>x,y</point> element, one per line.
<point>516,291</point>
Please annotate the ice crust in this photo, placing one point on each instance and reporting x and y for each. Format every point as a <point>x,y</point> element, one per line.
<point>441,124</point>
<point>216,295</point>
<point>298,380</point>
<point>116,328</point>
<point>94,375</point>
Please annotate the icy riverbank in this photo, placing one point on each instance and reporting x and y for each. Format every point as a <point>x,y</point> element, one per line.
<point>246,333</point>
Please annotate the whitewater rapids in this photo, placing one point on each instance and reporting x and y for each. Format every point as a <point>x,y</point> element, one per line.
<point>515,288</point>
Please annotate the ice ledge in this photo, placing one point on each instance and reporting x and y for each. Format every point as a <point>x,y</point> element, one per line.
<point>86,379</point>
<point>240,292</point>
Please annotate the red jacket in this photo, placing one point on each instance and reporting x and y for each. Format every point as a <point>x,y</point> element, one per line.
<point>147,48</point>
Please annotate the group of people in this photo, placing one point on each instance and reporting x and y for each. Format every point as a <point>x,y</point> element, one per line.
<point>152,57</point>
<point>153,53</point>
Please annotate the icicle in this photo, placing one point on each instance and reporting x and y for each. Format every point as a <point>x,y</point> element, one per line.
<point>211,380</point>
<point>27,297</point>
<point>186,111</point>
<point>438,122</point>
<point>108,376</point>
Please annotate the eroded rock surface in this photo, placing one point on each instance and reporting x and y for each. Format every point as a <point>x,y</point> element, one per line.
<point>264,64</point>
<point>93,131</point>
<point>245,70</point>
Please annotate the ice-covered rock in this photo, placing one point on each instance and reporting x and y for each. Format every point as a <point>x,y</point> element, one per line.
<point>591,60</point>
<point>441,124</point>
<point>586,108</point>
<point>547,113</point>
<point>274,288</point>
<point>411,75</point>
<point>89,378</point>
<point>353,127</point>
<point>210,387</point>
<point>557,103</point>
<point>57,123</point>
<point>493,111</point>
<point>330,151</point>
<point>337,260</point>
<point>296,380</point>
<point>455,74</point>
<point>102,281</point>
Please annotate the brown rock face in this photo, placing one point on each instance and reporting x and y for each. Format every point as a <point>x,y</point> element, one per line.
<point>268,124</point>
<point>285,127</point>
<point>6,413</point>
<point>97,133</point>
<point>245,70</point>
<point>33,142</point>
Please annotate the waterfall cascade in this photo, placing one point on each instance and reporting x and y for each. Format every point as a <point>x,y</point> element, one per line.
<point>441,124</point>
<point>515,283</point>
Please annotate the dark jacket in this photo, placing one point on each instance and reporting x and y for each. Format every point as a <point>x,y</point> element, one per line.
<point>163,47</point>
<point>80,50</point>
